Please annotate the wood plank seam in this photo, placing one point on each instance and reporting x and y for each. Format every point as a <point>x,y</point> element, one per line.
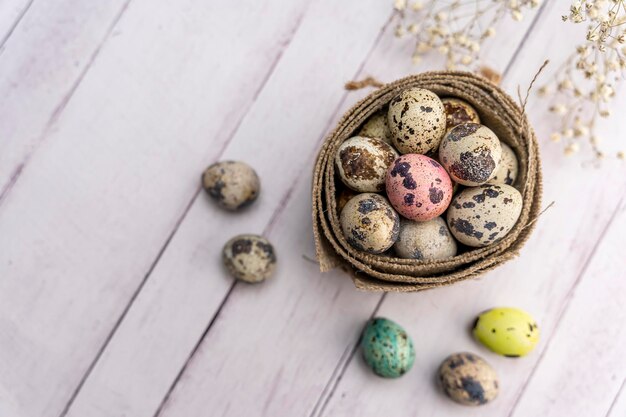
<point>273,219</point>
<point>58,110</point>
<point>566,303</point>
<point>335,377</point>
<point>614,402</point>
<point>506,71</point>
<point>180,220</point>
<point>15,24</point>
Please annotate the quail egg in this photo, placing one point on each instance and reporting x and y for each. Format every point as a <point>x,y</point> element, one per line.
<point>468,379</point>
<point>508,167</point>
<point>362,163</point>
<point>481,216</point>
<point>249,258</point>
<point>470,153</point>
<point>429,241</point>
<point>418,187</point>
<point>417,121</point>
<point>369,223</point>
<point>232,184</point>
<point>387,348</point>
<point>377,127</point>
<point>458,112</point>
<point>507,331</point>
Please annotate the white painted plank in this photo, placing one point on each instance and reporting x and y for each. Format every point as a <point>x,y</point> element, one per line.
<point>40,66</point>
<point>278,137</point>
<point>93,207</point>
<point>275,365</point>
<point>11,12</point>
<point>618,406</point>
<point>583,368</point>
<point>538,281</point>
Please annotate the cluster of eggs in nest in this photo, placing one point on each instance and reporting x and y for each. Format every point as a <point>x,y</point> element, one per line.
<point>426,178</point>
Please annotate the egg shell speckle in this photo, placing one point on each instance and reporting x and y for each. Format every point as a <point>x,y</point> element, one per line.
<point>470,153</point>
<point>387,348</point>
<point>430,240</point>
<point>458,112</point>
<point>417,121</point>
<point>369,223</point>
<point>468,379</point>
<point>507,331</point>
<point>418,187</point>
<point>377,127</point>
<point>362,163</point>
<point>232,184</point>
<point>249,258</point>
<point>508,167</point>
<point>481,216</point>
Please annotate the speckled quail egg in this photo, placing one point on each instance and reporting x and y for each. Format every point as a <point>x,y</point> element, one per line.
<point>507,331</point>
<point>481,216</point>
<point>377,127</point>
<point>249,258</point>
<point>458,112</point>
<point>369,223</point>
<point>428,241</point>
<point>417,121</point>
<point>232,184</point>
<point>362,163</point>
<point>418,187</point>
<point>508,167</point>
<point>470,153</point>
<point>387,348</point>
<point>468,379</point>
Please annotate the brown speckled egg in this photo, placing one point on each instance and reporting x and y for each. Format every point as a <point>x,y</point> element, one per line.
<point>417,121</point>
<point>376,127</point>
<point>468,379</point>
<point>481,216</point>
<point>470,153</point>
<point>369,223</point>
<point>232,184</point>
<point>249,258</point>
<point>458,112</point>
<point>362,163</point>
<point>418,187</point>
<point>428,241</point>
<point>508,167</point>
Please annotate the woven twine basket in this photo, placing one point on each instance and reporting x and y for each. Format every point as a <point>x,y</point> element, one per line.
<point>501,114</point>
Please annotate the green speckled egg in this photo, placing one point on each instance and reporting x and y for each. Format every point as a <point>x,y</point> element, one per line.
<point>387,348</point>
<point>507,331</point>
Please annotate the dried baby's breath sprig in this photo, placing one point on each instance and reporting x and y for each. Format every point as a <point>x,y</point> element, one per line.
<point>583,87</point>
<point>455,29</point>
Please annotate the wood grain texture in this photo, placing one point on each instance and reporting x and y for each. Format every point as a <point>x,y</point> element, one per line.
<point>113,301</point>
<point>44,57</point>
<point>279,137</point>
<point>95,206</point>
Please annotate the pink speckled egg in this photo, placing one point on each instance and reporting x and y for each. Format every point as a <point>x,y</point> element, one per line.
<point>418,187</point>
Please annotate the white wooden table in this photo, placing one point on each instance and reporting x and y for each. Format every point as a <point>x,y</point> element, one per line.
<point>113,300</point>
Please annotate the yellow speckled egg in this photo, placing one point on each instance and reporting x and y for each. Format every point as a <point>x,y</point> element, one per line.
<point>429,241</point>
<point>507,331</point>
<point>417,121</point>
<point>377,127</point>
<point>458,112</point>
<point>470,153</point>
<point>369,223</point>
<point>508,168</point>
<point>362,163</point>
<point>481,216</point>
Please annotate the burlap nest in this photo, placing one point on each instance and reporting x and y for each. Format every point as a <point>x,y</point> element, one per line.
<point>499,112</point>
